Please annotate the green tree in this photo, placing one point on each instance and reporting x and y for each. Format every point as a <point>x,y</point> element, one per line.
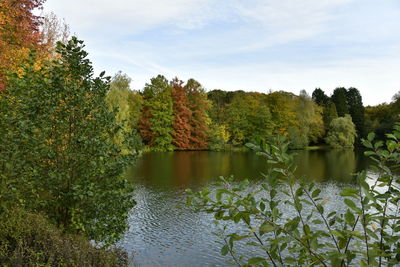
<point>320,97</point>
<point>339,98</point>
<point>248,119</point>
<point>128,106</point>
<point>356,110</point>
<point>157,116</point>
<point>342,132</point>
<point>329,114</point>
<point>310,127</point>
<point>56,149</point>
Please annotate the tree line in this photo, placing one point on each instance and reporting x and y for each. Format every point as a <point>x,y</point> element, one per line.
<point>174,115</point>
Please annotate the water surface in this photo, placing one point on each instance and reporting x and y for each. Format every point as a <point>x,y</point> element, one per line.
<point>165,233</point>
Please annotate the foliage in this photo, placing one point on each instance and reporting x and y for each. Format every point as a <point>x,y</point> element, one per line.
<point>381,118</point>
<point>199,120</point>
<point>283,111</point>
<point>56,149</point>
<point>157,117</point>
<point>339,98</point>
<point>182,116</point>
<point>365,233</point>
<point>127,105</point>
<point>28,239</point>
<point>219,137</point>
<point>356,110</point>
<point>342,132</point>
<point>310,127</point>
<point>248,118</point>
<point>19,32</point>
<point>329,114</point>
<point>320,97</point>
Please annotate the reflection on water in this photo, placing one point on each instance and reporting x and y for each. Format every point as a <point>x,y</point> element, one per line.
<point>187,169</point>
<point>163,234</point>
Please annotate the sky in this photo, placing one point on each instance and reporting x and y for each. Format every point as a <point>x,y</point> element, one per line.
<point>250,45</point>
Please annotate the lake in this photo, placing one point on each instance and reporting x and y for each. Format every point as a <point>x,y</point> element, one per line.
<point>163,232</point>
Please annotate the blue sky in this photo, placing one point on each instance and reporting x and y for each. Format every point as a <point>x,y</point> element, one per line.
<point>251,45</point>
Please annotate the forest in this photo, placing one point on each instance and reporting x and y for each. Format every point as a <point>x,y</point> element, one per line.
<point>174,115</point>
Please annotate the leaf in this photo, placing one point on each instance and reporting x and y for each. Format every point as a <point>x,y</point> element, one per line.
<point>316,193</point>
<point>224,250</point>
<point>266,227</point>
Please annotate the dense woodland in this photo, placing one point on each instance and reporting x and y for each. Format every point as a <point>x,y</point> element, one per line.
<point>67,136</point>
<point>174,115</point>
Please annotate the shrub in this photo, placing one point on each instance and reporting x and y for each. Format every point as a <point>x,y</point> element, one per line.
<point>28,239</point>
<point>367,233</point>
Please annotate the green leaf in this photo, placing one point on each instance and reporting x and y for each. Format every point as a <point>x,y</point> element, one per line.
<point>266,227</point>
<point>316,193</point>
<point>224,250</point>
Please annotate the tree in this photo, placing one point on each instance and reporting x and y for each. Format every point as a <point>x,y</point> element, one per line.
<point>356,110</point>
<point>283,110</point>
<point>310,127</point>
<point>342,132</point>
<point>320,97</point>
<point>339,98</point>
<point>248,119</point>
<point>19,33</point>
<point>182,116</point>
<point>199,120</point>
<point>53,30</point>
<point>56,150</point>
<point>157,117</point>
<point>329,114</point>
<point>127,105</point>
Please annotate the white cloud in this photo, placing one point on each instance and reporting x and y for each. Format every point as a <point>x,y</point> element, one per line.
<point>244,44</point>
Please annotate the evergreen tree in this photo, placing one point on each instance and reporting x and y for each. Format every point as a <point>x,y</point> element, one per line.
<point>320,97</point>
<point>356,110</point>
<point>339,98</point>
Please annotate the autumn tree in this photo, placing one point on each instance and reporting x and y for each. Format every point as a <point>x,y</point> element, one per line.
<point>283,111</point>
<point>182,116</point>
<point>199,120</point>
<point>19,33</point>
<point>157,116</point>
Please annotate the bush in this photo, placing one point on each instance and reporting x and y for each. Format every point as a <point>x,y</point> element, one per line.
<point>366,233</point>
<point>28,239</point>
